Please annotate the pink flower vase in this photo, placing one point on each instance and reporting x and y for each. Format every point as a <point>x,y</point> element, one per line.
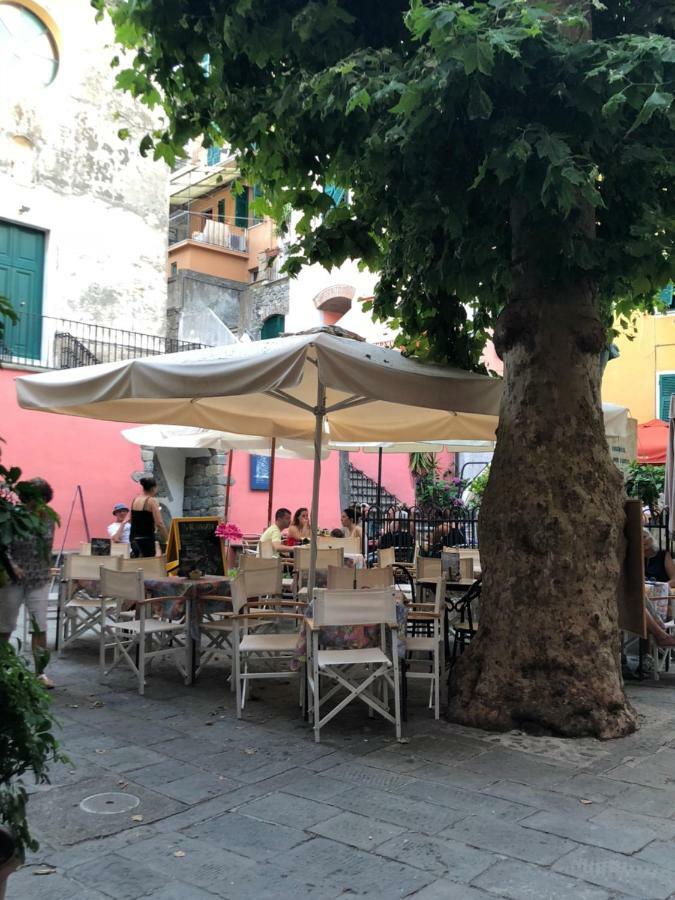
<point>227,532</point>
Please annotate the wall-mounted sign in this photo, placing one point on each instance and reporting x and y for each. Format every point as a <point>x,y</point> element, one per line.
<point>260,473</point>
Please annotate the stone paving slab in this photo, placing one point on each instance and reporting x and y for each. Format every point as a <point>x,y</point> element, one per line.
<point>59,819</point>
<point>26,885</point>
<point>617,872</point>
<point>469,802</point>
<point>438,855</point>
<point>247,836</point>
<point>363,832</point>
<point>423,817</point>
<point>509,839</point>
<point>621,837</point>
<point>524,881</point>
<point>284,809</point>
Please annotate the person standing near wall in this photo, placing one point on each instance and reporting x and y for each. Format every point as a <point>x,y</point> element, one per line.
<point>27,563</point>
<point>146,518</point>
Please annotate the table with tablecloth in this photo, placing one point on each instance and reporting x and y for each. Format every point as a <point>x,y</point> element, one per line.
<point>177,597</point>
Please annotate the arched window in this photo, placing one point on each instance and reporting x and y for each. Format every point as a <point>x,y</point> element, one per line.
<point>28,53</point>
<point>272,327</point>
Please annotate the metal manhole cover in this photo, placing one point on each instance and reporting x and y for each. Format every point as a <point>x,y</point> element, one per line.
<point>109,804</point>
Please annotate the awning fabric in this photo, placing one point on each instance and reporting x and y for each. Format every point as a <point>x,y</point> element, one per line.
<point>652,442</point>
<point>269,388</point>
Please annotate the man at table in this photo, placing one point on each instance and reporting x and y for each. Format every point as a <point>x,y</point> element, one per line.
<point>272,534</point>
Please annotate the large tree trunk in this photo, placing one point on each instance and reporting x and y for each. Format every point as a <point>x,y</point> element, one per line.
<point>546,655</point>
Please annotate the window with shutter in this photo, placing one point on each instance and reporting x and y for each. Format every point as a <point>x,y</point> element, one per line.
<point>666,295</point>
<point>241,209</point>
<point>213,156</point>
<point>666,389</point>
<point>221,210</point>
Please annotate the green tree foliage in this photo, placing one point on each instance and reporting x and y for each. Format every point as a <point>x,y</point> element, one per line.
<point>435,116</point>
<point>27,743</point>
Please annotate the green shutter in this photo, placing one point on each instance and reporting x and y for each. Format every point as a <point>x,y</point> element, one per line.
<point>666,388</point>
<point>221,210</point>
<point>213,155</point>
<point>241,209</point>
<point>272,327</point>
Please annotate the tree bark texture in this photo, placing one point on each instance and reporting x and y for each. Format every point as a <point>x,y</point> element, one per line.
<point>546,656</point>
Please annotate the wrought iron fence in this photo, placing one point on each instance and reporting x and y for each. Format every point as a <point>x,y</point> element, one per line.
<point>408,528</point>
<point>658,526</point>
<point>220,231</point>
<point>65,344</point>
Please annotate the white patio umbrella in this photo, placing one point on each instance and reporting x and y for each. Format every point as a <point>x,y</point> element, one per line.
<point>186,438</point>
<point>287,387</point>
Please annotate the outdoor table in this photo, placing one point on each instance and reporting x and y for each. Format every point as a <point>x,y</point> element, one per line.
<point>180,597</point>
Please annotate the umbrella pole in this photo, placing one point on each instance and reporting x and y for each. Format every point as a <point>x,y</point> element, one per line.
<point>319,413</point>
<point>270,498</point>
<point>227,483</point>
<point>379,478</point>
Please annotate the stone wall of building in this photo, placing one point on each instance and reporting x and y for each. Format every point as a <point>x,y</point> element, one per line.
<point>210,310</point>
<point>203,308</point>
<point>65,171</point>
<point>261,300</point>
<point>204,488</point>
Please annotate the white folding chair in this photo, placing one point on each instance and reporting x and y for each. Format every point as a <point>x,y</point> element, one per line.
<point>340,578</point>
<point>79,614</point>
<point>152,566</point>
<point>324,558</point>
<point>264,588</point>
<point>425,620</point>
<point>344,667</point>
<point>148,636</point>
<point>260,654</point>
<point>374,578</point>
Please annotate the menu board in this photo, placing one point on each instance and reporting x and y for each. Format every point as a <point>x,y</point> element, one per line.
<point>101,546</point>
<point>193,545</point>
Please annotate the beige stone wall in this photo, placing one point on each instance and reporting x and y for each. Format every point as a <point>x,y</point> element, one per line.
<point>64,170</point>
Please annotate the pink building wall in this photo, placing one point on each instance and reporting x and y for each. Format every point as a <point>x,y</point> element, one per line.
<point>67,451</point>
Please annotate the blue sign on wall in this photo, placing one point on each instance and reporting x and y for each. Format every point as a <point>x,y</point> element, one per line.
<point>260,473</point>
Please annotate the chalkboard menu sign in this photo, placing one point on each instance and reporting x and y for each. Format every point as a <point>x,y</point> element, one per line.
<point>193,545</point>
<point>100,546</point>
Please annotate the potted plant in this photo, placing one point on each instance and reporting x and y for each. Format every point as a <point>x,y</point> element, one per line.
<point>27,745</point>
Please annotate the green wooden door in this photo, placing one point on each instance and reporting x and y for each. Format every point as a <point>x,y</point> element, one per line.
<point>21,274</point>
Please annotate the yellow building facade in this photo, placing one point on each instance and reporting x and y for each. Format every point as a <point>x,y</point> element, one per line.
<point>643,376</point>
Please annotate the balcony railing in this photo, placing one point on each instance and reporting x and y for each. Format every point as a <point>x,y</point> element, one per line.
<point>223,232</point>
<point>50,343</point>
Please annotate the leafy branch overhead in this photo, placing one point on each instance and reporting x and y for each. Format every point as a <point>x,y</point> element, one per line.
<point>436,117</point>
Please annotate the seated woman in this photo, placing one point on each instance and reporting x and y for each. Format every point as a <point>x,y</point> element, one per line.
<point>659,565</point>
<point>349,526</point>
<point>299,531</point>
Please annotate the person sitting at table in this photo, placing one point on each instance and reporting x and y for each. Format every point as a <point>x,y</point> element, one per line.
<point>447,534</point>
<point>299,531</point>
<point>659,565</point>
<point>146,517</point>
<point>282,519</point>
<point>350,529</point>
<point>398,535</point>
<point>118,531</point>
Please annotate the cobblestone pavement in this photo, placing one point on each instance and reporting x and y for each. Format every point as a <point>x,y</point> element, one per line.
<point>255,809</point>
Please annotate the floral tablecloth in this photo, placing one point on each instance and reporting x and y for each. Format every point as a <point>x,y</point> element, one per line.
<point>174,592</point>
<point>349,637</point>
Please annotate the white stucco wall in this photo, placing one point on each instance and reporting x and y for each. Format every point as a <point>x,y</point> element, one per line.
<point>64,170</point>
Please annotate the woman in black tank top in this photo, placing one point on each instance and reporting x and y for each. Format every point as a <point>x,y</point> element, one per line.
<point>145,519</point>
